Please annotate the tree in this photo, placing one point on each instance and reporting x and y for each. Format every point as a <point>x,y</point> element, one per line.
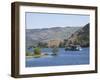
<point>65,41</point>
<point>70,42</point>
<point>55,50</point>
<point>37,51</point>
<point>61,45</point>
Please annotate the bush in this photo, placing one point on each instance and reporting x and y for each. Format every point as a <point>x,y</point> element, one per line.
<point>28,54</point>
<point>37,51</point>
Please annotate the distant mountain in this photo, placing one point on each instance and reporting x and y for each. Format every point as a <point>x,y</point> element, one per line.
<point>50,36</point>
<point>80,37</point>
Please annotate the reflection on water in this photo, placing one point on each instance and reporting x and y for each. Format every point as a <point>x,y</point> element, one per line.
<point>63,58</point>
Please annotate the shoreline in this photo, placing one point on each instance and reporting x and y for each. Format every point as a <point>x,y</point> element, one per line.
<point>36,56</point>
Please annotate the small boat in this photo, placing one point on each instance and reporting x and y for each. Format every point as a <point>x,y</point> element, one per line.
<point>54,54</point>
<point>73,48</point>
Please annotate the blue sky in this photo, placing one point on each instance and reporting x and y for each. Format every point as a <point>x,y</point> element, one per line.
<point>45,20</point>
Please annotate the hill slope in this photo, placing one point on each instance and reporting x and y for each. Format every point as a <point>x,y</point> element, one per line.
<point>80,37</point>
<point>47,35</point>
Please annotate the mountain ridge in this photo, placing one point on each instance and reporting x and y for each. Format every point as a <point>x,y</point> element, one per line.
<point>33,36</point>
<point>80,37</point>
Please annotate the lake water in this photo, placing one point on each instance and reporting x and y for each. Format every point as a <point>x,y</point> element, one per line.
<point>63,58</point>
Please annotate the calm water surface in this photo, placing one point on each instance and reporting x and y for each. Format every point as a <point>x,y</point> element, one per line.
<point>63,58</point>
